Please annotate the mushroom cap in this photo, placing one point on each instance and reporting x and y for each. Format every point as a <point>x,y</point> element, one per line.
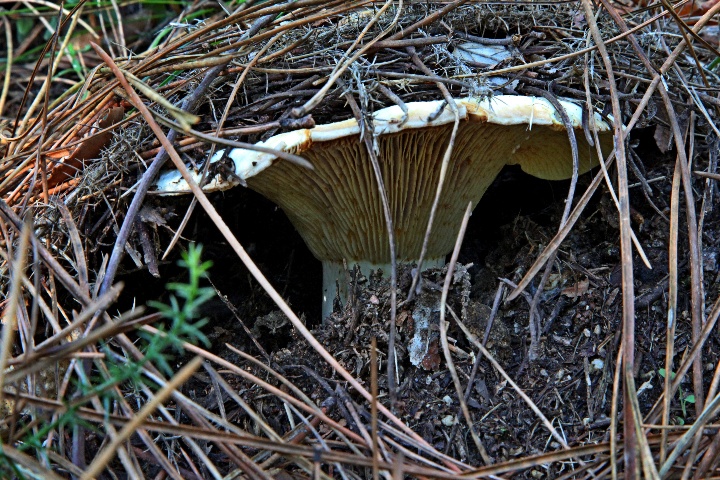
<point>336,206</point>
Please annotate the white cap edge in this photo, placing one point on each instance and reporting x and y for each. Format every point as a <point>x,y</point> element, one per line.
<point>499,109</point>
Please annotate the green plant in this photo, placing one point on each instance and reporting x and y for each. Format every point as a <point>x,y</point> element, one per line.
<point>684,399</point>
<point>183,326</point>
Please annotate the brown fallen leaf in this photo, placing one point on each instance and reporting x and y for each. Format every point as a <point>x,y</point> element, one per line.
<point>577,290</point>
<point>431,361</point>
<point>71,163</point>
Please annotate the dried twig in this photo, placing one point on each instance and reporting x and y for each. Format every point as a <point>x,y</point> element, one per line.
<point>444,340</point>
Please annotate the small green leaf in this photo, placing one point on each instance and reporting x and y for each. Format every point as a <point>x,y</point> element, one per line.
<point>24,25</point>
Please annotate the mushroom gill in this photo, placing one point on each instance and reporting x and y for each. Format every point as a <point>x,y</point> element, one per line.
<point>336,207</point>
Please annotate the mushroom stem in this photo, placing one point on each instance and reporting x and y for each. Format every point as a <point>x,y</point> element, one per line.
<point>335,278</point>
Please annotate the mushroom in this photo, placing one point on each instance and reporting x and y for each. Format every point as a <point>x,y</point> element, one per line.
<point>336,206</point>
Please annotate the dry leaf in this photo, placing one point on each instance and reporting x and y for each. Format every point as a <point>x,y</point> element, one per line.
<point>577,290</point>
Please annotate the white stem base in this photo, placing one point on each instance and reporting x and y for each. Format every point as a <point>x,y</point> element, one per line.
<point>335,276</point>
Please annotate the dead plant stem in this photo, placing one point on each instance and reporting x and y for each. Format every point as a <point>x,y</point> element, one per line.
<point>685,364</point>
<point>348,61</point>
<point>534,321</point>
<point>374,410</point>
<point>632,469</point>
<point>444,339</point>
<point>427,20</point>
<point>231,99</point>
<point>443,168</point>
<point>21,108</point>
<point>695,264</point>
<point>560,58</point>
<point>672,298</point>
<point>15,297</point>
<point>148,177</point>
<point>8,64</point>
